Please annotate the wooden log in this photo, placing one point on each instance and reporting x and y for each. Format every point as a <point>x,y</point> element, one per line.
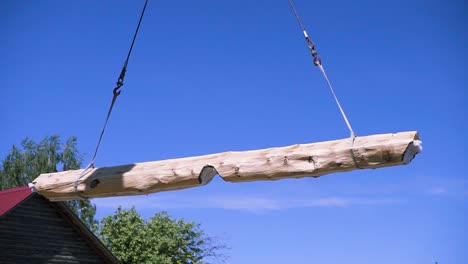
<point>297,161</point>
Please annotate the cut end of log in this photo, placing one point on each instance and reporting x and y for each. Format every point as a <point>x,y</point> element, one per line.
<point>414,147</point>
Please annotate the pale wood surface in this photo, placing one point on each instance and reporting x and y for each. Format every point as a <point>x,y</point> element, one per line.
<point>296,161</point>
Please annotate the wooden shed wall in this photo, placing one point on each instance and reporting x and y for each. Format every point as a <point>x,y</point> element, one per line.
<point>35,232</point>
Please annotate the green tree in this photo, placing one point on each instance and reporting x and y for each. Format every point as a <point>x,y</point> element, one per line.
<point>161,239</point>
<point>23,164</point>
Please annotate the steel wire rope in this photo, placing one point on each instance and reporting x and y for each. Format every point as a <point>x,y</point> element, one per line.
<point>116,92</point>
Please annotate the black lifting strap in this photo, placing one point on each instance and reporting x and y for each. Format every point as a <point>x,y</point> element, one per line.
<point>116,92</point>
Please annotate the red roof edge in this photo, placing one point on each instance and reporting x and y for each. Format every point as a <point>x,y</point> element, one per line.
<point>12,197</point>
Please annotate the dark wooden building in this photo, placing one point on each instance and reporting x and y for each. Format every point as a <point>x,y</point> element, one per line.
<point>35,230</point>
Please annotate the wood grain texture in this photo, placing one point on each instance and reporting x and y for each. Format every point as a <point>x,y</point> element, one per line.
<point>296,161</point>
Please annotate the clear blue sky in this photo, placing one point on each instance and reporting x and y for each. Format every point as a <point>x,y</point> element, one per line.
<point>213,76</point>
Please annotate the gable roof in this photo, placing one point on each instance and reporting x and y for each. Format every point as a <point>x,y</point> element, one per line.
<point>12,197</point>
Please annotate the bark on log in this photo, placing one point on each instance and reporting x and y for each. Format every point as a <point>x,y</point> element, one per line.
<point>297,161</point>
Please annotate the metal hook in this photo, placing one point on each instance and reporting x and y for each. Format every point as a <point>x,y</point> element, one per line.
<point>116,90</point>
<point>317,60</point>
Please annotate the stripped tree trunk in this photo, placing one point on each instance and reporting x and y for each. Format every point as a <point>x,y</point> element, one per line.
<point>296,161</point>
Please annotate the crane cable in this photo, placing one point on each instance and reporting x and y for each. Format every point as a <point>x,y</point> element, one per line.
<point>318,62</point>
<point>116,92</point>
<point>120,82</point>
